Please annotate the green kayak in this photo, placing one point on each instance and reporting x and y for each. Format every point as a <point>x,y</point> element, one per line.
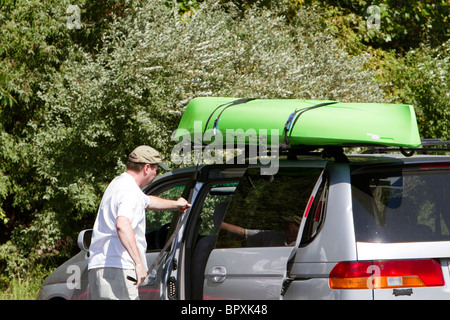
<point>299,122</point>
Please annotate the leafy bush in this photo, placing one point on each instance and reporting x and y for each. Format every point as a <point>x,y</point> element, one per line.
<point>401,24</point>
<point>35,43</point>
<point>421,79</point>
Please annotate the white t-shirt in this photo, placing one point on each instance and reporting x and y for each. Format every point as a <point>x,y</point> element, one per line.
<point>123,197</point>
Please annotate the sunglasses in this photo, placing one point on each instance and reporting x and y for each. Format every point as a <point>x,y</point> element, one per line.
<point>158,168</point>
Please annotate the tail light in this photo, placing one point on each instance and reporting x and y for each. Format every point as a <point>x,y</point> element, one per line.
<point>438,165</point>
<point>386,274</point>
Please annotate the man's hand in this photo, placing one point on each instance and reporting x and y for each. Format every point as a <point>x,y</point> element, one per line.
<point>141,274</point>
<point>182,204</point>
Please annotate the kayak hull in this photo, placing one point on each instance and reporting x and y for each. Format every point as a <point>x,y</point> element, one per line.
<point>299,122</point>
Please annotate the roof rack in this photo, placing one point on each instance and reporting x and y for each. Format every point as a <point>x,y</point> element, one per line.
<point>427,146</point>
<point>337,152</point>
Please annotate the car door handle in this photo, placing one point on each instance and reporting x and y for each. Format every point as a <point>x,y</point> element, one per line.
<point>218,274</point>
<point>151,277</point>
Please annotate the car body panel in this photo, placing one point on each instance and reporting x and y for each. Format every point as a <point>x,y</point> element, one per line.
<point>250,273</point>
<point>403,250</point>
<point>318,289</point>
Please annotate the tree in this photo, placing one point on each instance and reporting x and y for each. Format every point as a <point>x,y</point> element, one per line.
<point>394,24</point>
<point>35,42</point>
<point>421,79</point>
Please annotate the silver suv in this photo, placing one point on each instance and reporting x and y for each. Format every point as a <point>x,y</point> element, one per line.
<point>356,227</point>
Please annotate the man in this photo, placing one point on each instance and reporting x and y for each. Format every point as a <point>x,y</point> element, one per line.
<point>118,243</point>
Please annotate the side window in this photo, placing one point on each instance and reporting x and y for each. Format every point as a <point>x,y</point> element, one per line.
<point>158,222</point>
<point>266,210</point>
<point>401,204</point>
<point>214,208</point>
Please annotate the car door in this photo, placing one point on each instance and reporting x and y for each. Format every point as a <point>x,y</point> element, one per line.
<point>159,226</point>
<point>262,228</point>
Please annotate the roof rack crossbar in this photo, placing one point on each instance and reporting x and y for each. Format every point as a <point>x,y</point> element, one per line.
<point>427,145</point>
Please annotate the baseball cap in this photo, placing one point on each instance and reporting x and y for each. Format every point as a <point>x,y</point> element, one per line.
<point>146,154</point>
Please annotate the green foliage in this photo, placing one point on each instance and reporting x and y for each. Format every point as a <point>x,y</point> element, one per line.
<point>36,41</point>
<point>406,24</point>
<point>403,24</point>
<point>421,79</point>
<point>23,288</point>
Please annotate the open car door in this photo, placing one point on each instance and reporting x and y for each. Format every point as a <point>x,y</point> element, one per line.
<point>164,230</point>
<point>272,211</point>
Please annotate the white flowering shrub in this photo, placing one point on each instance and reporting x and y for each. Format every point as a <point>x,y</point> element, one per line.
<point>152,63</point>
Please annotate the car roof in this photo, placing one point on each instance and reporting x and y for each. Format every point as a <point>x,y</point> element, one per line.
<point>357,160</point>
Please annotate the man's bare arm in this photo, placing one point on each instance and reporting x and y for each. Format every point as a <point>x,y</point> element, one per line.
<point>127,237</point>
<point>239,231</point>
<point>157,203</point>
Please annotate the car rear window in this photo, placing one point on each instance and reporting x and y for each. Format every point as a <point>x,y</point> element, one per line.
<point>401,204</point>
